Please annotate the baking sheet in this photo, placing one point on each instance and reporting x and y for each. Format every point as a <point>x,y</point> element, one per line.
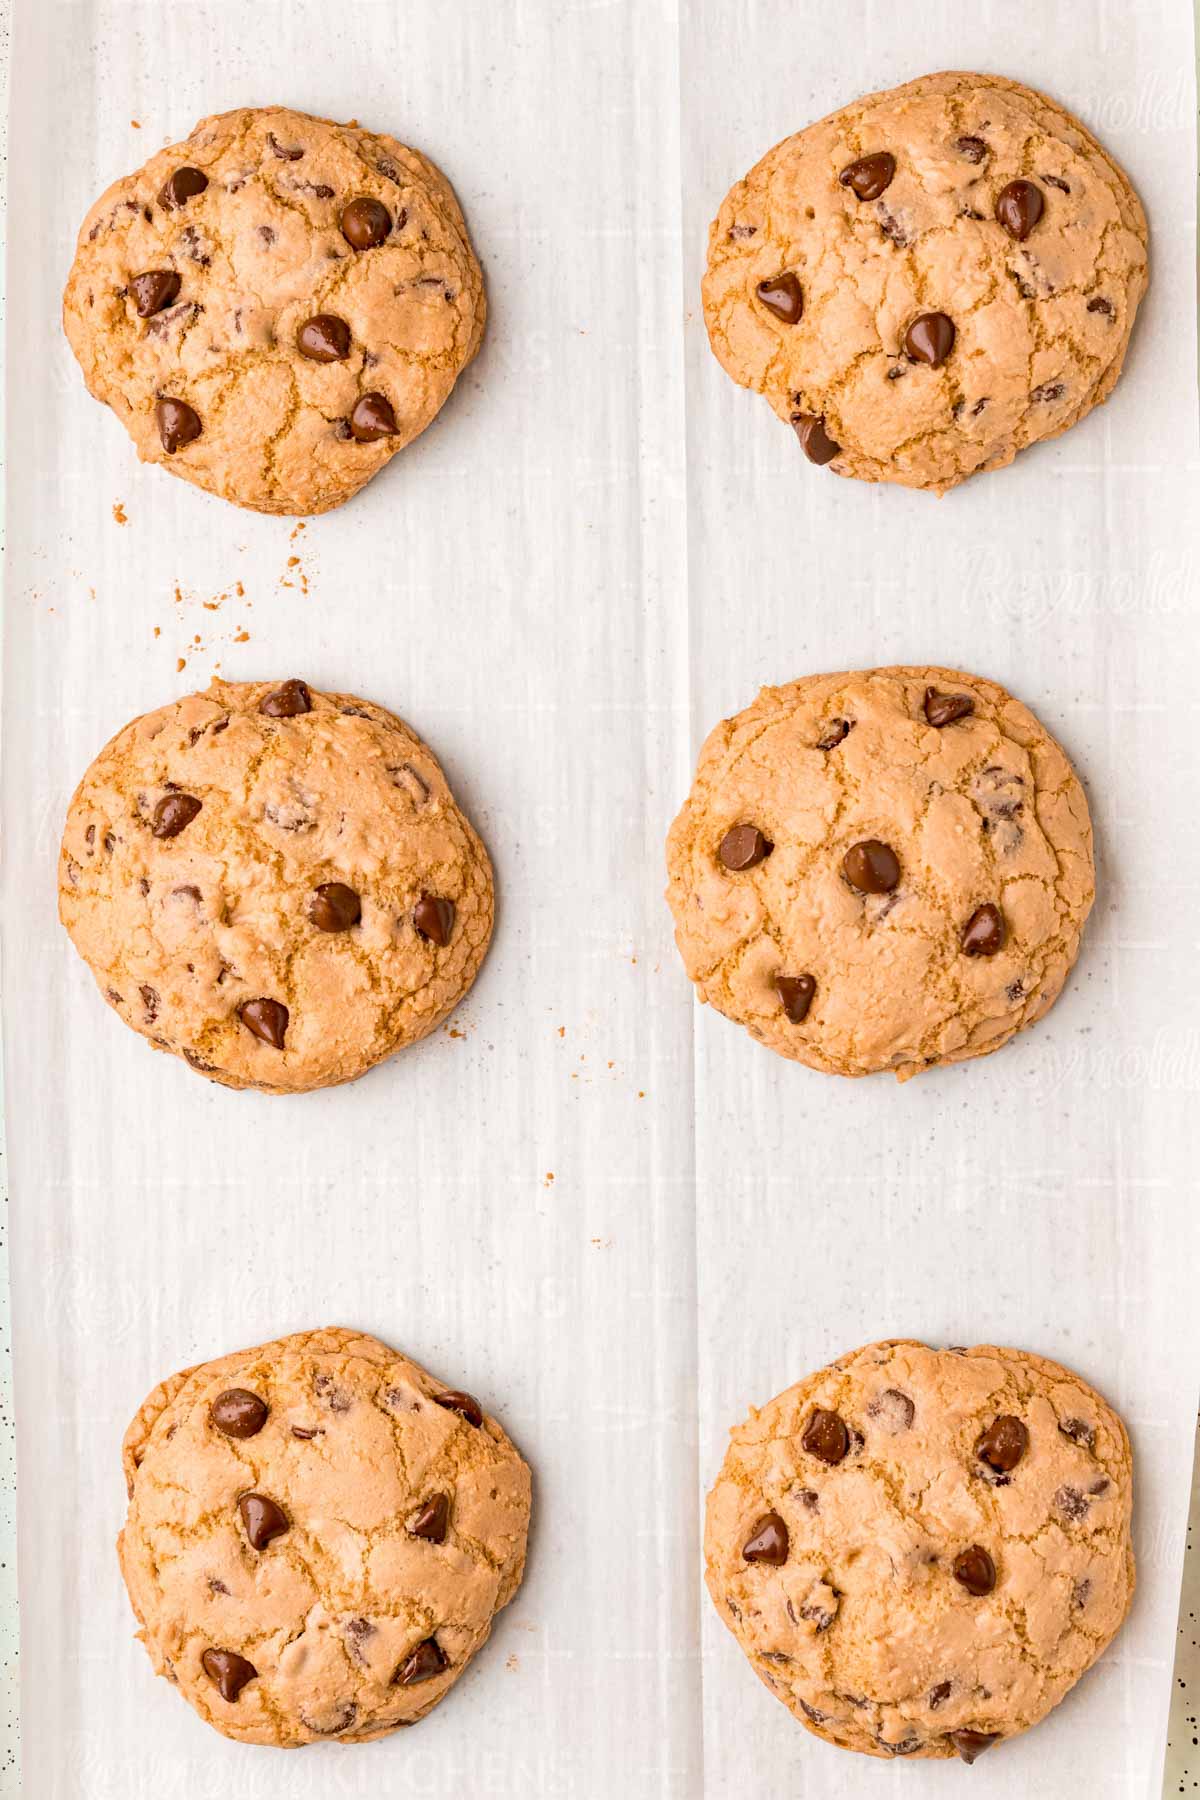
<point>607,1214</point>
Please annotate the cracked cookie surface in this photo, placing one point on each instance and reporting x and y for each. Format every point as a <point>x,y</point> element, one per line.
<point>929,280</point>
<point>319,1536</point>
<point>778,877</point>
<point>921,1551</point>
<point>304,343</point>
<point>275,884</point>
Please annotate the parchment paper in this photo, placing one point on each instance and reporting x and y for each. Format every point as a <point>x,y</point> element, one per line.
<point>613,1218</point>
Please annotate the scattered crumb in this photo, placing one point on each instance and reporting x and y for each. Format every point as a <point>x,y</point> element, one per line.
<point>549,1181</point>
<point>180,665</point>
<point>136,123</point>
<point>241,637</point>
<point>641,1093</point>
<point>512,1664</point>
<point>119,513</point>
<point>562,1031</point>
<point>452,1031</point>
<point>158,631</point>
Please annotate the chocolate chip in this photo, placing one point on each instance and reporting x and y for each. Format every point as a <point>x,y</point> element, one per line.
<point>172,813</point>
<point>181,187</point>
<point>150,1001</point>
<point>782,295</point>
<point>813,1713</point>
<point>305,1432</point>
<point>1080,1593</point>
<point>153,290</point>
<point>426,1660</point>
<point>265,1019</point>
<point>871,867</point>
<point>287,701</point>
<point>454,1400</point>
<point>1049,391</point>
<point>984,932</point>
<point>285,152</point>
<point>929,339</point>
<point>228,1672</point>
<point>943,709</point>
<point>432,1520</point>
<point>334,907</point>
<point>1019,206</point>
<point>893,1409</point>
<point>975,1570</point>
<point>434,919</point>
<point>869,175</point>
<point>973,148</point>
<point>238,1413</point>
<point>743,847</point>
<point>825,1436</point>
<point>178,424</point>
<point>768,1541</point>
<point>838,732</point>
<point>372,419</point>
<point>1071,1503</point>
<point>795,996</point>
<point>815,441</point>
<point>324,338</point>
<point>1003,1444</point>
<point>971,1744</point>
<point>365,223</point>
<point>1079,1432</point>
<point>262,1518</point>
<point>939,1694</point>
<point>1098,304</point>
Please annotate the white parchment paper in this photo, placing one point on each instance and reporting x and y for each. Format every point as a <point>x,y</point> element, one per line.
<point>613,1218</point>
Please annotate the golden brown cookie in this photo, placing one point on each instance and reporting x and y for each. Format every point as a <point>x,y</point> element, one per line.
<point>886,869</point>
<point>929,280</point>
<point>275,884</point>
<point>921,1551</point>
<point>319,1537</point>
<point>275,306</point>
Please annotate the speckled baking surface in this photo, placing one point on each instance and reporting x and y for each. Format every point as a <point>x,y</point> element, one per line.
<point>606,1211</point>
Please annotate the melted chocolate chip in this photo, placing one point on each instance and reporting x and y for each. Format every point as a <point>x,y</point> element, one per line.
<point>173,813</point>
<point>1003,1444</point>
<point>975,1570</point>
<point>768,1541</point>
<point>324,338</point>
<point>743,847</point>
<point>795,996</point>
<point>365,223</point>
<point>434,919</point>
<point>825,1436</point>
<point>868,176</point>
<point>287,701</point>
<point>266,1020</point>
<point>783,296</point>
<point>971,1744</point>
<point>153,290</point>
<point>334,907</point>
<point>372,419</point>
<point>1019,206</point>
<point>181,187</point>
<point>939,1695</point>
<point>973,148</point>
<point>815,441</point>
<point>178,424</point>
<point>1098,304</point>
<point>984,932</point>
<point>228,1672</point>
<point>838,732</point>
<point>944,709</point>
<point>871,867</point>
<point>238,1413</point>
<point>894,1410</point>
<point>432,1520</point>
<point>426,1660</point>
<point>929,339</point>
<point>1071,1503</point>
<point>262,1518</point>
<point>454,1400</point>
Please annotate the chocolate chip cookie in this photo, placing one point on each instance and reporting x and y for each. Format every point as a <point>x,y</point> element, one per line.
<point>274,883</point>
<point>922,1550</point>
<point>882,870</point>
<point>929,280</point>
<point>319,1537</point>
<point>275,306</point>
